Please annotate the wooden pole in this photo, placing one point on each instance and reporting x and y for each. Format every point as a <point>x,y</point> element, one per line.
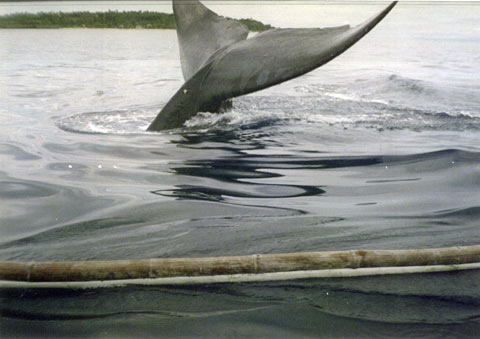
<point>240,278</point>
<point>84,271</point>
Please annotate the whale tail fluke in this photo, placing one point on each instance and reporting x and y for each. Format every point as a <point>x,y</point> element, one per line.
<point>219,63</point>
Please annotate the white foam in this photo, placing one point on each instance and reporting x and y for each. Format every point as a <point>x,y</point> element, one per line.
<point>115,122</point>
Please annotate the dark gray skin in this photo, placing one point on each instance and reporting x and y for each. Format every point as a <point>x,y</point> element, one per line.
<point>241,66</point>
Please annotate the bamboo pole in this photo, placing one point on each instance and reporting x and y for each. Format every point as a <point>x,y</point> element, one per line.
<point>261,266</point>
<point>240,278</point>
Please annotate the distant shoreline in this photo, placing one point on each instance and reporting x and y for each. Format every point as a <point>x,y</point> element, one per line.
<point>110,19</point>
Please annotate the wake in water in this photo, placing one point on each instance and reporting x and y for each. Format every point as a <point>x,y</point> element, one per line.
<point>384,103</point>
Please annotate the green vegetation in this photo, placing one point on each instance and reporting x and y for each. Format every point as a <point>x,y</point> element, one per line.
<point>89,20</point>
<point>254,25</point>
<point>110,19</point>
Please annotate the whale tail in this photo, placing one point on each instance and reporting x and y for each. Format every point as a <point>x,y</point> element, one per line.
<point>219,63</point>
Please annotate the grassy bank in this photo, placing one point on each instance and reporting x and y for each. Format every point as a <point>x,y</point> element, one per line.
<point>111,19</point>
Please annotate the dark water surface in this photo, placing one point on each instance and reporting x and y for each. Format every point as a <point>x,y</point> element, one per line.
<point>377,150</point>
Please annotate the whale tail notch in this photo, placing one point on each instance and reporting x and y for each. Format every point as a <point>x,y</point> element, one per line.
<point>229,65</point>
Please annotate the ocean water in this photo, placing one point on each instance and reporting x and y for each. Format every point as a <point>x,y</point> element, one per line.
<point>379,149</point>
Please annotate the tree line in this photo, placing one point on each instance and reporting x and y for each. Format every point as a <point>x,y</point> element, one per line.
<point>110,19</point>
